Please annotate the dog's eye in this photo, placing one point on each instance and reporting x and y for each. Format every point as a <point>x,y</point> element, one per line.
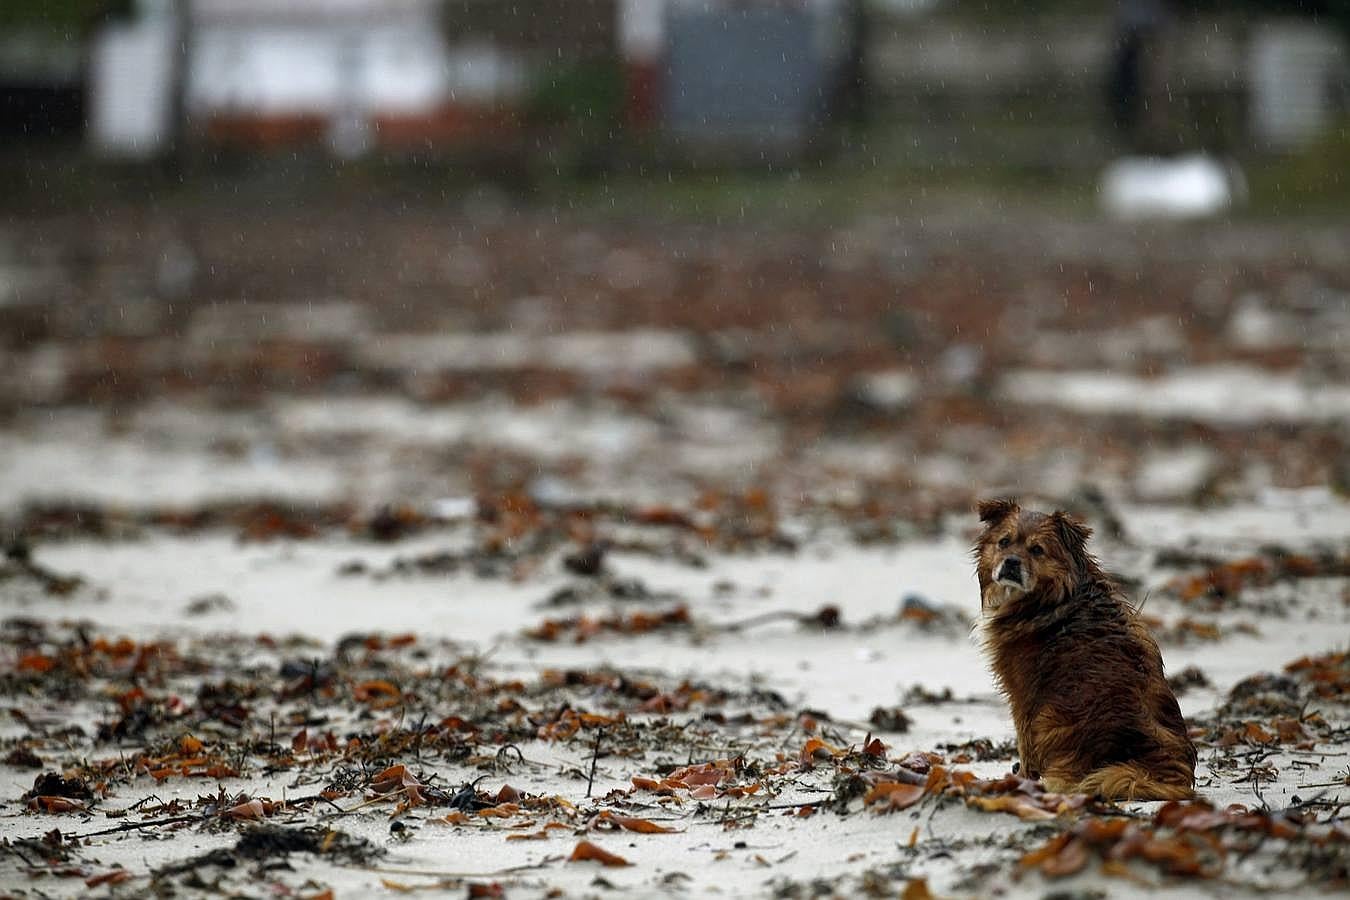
<point>1037,550</point>
<point>1003,542</point>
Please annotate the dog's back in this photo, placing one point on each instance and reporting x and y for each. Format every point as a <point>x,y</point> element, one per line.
<point>1090,698</point>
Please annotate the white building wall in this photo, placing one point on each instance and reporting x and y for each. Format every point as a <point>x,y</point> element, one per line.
<point>131,89</point>
<point>390,68</point>
<point>270,70</point>
<point>1296,67</point>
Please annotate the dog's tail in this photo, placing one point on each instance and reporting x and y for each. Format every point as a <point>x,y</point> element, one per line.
<point>1130,781</point>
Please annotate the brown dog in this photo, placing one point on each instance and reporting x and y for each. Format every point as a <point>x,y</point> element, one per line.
<point>1082,674</point>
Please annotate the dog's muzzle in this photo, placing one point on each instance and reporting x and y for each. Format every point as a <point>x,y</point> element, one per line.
<point>1011,573</point>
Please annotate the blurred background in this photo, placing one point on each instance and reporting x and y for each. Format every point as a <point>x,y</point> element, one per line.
<point>887,89</point>
<point>815,255</point>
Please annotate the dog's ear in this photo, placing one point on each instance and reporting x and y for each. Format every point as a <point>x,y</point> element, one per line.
<point>1073,533</point>
<point>994,511</point>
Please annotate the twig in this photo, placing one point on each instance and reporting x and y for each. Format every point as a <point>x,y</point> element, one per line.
<point>417,745</point>
<point>1314,800</point>
<point>764,619</point>
<point>135,826</point>
<point>310,798</point>
<point>928,822</point>
<point>430,874</point>
<point>812,803</point>
<point>1256,789</point>
<point>503,751</point>
<point>728,820</point>
<point>595,759</point>
<point>373,801</point>
<point>144,800</point>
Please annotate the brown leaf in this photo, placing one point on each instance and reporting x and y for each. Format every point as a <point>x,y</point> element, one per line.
<point>1290,730</point>
<point>500,811</point>
<point>378,693</point>
<point>1019,805</point>
<point>662,515</point>
<point>1102,831</point>
<point>815,750</point>
<point>1046,851</point>
<point>641,826</point>
<point>36,662</point>
<point>56,804</point>
<point>585,851</point>
<point>249,809</point>
<point>743,790</point>
<point>962,779</point>
<point>704,773</point>
<point>116,876</point>
<point>894,795</point>
<point>917,889</point>
<point>1071,858</point>
<point>919,762</point>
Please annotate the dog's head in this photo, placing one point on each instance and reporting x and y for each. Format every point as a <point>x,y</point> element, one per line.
<point>1023,552</point>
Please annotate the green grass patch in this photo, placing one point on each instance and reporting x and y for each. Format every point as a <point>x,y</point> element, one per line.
<point>1311,181</point>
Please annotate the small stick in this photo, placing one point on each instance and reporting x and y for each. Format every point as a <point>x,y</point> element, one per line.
<point>26,861</point>
<point>763,619</point>
<point>144,800</point>
<point>789,805</point>
<point>133,826</point>
<point>1311,801</point>
<point>432,874</point>
<point>595,759</point>
<point>373,801</point>
<point>312,798</point>
<point>1256,789</point>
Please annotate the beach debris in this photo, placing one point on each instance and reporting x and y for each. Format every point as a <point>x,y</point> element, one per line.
<point>1193,840</point>
<point>585,851</point>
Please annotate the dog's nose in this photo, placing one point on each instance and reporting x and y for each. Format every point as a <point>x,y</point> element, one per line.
<point>1011,569</point>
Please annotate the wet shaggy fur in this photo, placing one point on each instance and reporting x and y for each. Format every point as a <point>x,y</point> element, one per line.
<point>1082,674</point>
